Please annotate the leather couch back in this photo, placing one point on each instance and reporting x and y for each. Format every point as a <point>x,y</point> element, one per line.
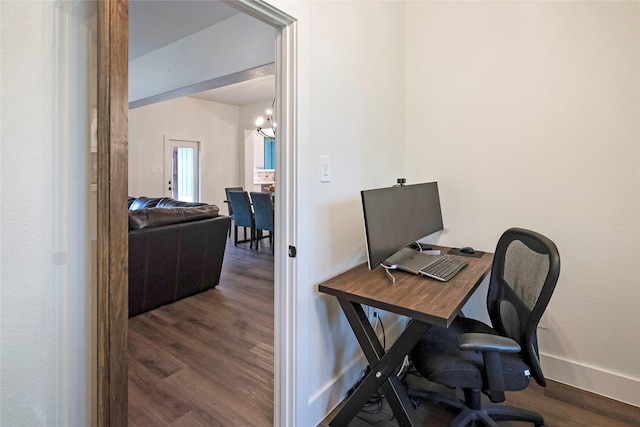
<point>171,262</point>
<point>145,212</point>
<point>175,250</point>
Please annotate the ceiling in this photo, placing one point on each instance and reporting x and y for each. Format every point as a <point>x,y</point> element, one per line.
<point>157,23</point>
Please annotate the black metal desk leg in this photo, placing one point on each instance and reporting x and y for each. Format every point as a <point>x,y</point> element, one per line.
<point>382,365</point>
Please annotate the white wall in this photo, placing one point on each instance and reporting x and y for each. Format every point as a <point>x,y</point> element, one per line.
<point>214,124</point>
<point>46,305</point>
<point>545,88</point>
<point>350,107</point>
<point>527,113</point>
<point>236,44</point>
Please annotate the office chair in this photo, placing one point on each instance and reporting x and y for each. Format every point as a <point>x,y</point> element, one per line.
<point>230,205</point>
<point>263,212</point>
<point>477,358</point>
<point>242,216</point>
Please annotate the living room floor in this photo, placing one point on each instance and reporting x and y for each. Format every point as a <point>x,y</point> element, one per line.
<point>207,360</point>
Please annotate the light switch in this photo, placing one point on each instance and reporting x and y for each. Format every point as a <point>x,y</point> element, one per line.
<point>325,169</point>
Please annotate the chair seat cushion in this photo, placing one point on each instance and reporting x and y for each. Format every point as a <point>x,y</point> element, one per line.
<point>438,358</point>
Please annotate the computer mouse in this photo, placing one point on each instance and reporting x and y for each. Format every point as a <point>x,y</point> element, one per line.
<point>467,250</point>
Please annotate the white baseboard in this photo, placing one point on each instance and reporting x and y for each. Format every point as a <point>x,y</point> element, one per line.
<point>591,379</point>
<point>330,395</point>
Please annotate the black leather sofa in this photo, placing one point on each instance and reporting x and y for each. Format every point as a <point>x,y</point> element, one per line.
<point>175,250</point>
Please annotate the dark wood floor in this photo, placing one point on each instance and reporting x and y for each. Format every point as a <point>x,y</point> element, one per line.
<point>560,405</point>
<point>208,361</point>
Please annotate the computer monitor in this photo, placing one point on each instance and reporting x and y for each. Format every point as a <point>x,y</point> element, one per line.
<point>395,217</point>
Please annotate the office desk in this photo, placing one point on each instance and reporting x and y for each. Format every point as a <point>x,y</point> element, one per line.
<point>426,301</point>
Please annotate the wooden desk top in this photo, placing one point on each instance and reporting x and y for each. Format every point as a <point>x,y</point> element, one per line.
<point>417,297</point>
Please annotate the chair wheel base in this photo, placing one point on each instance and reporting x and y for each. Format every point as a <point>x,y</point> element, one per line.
<point>486,415</point>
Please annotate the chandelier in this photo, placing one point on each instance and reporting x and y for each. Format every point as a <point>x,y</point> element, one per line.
<point>266,126</point>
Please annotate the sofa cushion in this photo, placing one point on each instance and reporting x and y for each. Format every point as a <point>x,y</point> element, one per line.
<point>154,217</point>
<point>167,202</point>
<point>143,202</point>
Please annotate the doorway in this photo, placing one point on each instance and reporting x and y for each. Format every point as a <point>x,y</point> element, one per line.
<point>112,211</point>
<point>182,169</point>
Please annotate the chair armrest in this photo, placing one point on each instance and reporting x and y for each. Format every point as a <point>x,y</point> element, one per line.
<point>491,346</point>
<point>487,342</point>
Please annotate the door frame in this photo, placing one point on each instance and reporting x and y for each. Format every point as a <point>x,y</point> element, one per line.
<point>112,192</point>
<point>112,245</point>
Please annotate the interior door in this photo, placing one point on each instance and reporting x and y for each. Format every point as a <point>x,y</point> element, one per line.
<point>183,166</point>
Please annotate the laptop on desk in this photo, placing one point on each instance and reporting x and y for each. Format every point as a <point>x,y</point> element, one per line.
<point>439,267</point>
<point>410,260</point>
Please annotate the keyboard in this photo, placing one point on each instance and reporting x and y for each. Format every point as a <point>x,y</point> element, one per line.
<point>444,268</point>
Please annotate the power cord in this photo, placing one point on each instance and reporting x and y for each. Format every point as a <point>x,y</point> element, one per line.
<point>376,321</point>
<point>376,402</point>
<point>379,322</point>
<point>405,365</point>
<point>364,373</point>
<point>383,420</point>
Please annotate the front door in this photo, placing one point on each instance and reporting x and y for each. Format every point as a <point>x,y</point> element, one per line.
<point>183,166</point>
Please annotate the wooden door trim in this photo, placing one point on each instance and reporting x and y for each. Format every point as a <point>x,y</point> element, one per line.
<point>112,307</point>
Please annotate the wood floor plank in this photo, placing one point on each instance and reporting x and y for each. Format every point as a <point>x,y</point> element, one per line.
<point>157,362</point>
<point>146,389</point>
<point>226,407</point>
<point>563,405</point>
<point>194,419</point>
<point>612,409</point>
<point>213,351</point>
<point>557,410</point>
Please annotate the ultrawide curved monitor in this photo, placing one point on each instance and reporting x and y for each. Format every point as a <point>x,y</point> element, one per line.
<point>395,217</point>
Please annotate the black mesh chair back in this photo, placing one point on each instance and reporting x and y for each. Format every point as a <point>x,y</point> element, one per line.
<point>525,271</point>
<point>263,212</point>
<point>479,358</point>
<point>242,214</point>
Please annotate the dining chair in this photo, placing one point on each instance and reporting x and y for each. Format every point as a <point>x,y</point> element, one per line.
<point>242,216</point>
<point>263,212</point>
<point>230,205</point>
